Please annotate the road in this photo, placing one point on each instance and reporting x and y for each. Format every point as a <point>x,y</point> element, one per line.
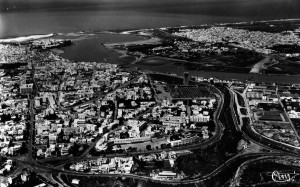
<point>32,115</point>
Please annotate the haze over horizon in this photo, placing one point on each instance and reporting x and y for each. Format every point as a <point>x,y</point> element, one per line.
<point>227,7</point>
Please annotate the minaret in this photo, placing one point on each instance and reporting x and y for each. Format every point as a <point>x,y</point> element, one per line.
<point>186,78</point>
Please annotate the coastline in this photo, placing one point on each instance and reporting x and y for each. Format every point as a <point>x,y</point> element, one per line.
<point>134,31</point>
<point>148,38</point>
<point>26,38</point>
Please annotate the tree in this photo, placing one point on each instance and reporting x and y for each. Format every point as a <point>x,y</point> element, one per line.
<point>148,147</point>
<point>159,164</point>
<point>163,146</point>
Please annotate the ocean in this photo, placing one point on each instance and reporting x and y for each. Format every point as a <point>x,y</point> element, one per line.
<point>19,17</point>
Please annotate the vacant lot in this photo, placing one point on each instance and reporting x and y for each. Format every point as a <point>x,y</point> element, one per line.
<point>191,91</point>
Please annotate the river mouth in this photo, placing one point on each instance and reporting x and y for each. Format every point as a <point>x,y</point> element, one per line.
<point>90,47</point>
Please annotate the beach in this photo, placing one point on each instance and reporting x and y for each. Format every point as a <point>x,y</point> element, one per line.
<point>26,38</point>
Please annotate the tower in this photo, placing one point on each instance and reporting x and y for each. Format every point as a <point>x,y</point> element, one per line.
<point>186,78</point>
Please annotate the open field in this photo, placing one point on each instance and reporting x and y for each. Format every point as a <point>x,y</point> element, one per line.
<point>191,92</point>
<point>269,116</point>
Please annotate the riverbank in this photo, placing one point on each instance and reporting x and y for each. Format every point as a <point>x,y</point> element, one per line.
<point>169,67</point>
<point>98,47</point>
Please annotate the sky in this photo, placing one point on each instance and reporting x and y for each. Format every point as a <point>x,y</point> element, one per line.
<point>255,8</point>
<point>238,8</point>
<point>56,4</point>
